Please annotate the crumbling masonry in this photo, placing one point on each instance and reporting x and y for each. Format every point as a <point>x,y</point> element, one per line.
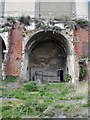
<point>44,52</point>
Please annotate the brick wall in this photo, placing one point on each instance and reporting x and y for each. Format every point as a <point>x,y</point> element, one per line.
<point>15,51</point>
<point>81,41</point>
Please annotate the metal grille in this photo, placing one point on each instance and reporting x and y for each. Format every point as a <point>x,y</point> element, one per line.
<point>40,76</point>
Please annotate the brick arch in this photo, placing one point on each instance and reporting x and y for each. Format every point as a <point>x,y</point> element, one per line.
<point>42,36</point>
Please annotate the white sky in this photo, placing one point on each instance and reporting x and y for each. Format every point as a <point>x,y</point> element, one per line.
<point>46,0</point>
<point>81,5</point>
<point>82,8</point>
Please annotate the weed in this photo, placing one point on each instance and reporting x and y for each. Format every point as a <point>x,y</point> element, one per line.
<point>86,104</point>
<point>6,108</point>
<point>41,107</point>
<point>9,79</point>
<point>42,101</point>
<point>59,106</point>
<point>31,86</point>
<point>67,78</point>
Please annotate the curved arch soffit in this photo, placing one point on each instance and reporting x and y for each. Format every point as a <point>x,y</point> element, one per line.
<point>42,36</point>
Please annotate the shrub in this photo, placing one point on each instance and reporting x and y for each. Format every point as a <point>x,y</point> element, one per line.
<point>67,78</point>
<point>42,89</point>
<point>10,79</point>
<point>19,94</point>
<point>31,86</point>
<point>82,72</point>
<point>82,22</point>
<point>25,20</point>
<point>5,29</point>
<point>11,19</point>
<point>86,58</point>
<point>42,92</point>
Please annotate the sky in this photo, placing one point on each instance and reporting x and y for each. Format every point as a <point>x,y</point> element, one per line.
<point>82,8</point>
<point>45,0</point>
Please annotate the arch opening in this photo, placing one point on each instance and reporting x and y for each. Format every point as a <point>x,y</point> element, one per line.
<point>3,48</point>
<point>47,56</point>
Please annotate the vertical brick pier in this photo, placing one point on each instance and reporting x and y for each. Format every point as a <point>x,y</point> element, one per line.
<point>13,63</point>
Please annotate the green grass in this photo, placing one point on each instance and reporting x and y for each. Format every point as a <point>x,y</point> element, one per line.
<point>1,89</point>
<point>9,79</point>
<point>30,86</point>
<point>42,101</point>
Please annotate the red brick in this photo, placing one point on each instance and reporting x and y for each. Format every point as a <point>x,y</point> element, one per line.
<point>83,37</point>
<point>15,51</point>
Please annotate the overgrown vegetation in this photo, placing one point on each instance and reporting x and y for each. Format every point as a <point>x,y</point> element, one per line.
<point>62,19</point>
<point>44,24</point>
<point>25,20</point>
<point>31,86</point>
<point>82,71</point>
<point>82,22</point>
<point>9,79</point>
<point>44,100</point>
<point>32,100</point>
<point>67,78</point>
<point>9,22</point>
<point>5,29</point>
<point>86,58</point>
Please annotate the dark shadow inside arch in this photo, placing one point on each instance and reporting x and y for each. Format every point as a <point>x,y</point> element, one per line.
<point>47,56</point>
<point>2,48</point>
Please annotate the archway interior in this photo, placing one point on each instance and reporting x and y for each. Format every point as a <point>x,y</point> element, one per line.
<point>47,55</point>
<point>2,47</point>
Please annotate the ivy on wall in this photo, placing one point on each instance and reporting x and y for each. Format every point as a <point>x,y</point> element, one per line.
<point>82,73</point>
<point>82,22</point>
<point>67,78</point>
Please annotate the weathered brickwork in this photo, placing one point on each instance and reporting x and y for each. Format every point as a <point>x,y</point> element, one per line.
<point>19,51</point>
<point>15,51</point>
<point>81,42</point>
